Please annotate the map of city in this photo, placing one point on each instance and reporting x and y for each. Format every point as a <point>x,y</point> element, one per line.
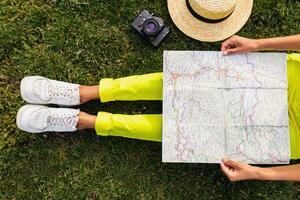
<point>217,106</point>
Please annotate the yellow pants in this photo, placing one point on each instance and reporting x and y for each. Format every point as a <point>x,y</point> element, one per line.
<point>149,87</point>
<point>142,87</point>
<point>294,103</point>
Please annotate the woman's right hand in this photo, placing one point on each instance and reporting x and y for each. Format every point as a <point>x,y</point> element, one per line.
<point>237,44</point>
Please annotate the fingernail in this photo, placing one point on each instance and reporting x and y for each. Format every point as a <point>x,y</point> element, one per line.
<point>224,53</point>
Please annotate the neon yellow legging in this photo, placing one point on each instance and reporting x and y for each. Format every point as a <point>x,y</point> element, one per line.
<point>142,87</point>
<point>149,87</point>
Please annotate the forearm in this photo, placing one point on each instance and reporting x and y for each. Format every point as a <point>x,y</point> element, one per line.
<point>283,173</point>
<point>280,43</point>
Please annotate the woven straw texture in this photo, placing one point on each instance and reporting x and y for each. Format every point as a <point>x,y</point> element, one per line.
<point>214,9</point>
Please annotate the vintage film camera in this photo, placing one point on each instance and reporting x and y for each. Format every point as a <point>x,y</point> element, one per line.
<point>150,27</point>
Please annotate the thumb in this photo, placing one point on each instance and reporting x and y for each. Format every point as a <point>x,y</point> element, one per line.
<point>231,163</point>
<point>232,51</point>
<point>225,169</point>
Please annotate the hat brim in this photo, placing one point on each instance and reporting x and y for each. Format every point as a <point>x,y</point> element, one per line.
<point>209,32</point>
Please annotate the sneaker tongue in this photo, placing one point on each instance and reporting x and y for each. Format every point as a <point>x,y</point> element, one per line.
<point>39,119</point>
<point>41,89</point>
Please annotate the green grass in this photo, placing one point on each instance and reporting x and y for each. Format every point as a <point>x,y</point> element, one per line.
<point>81,41</point>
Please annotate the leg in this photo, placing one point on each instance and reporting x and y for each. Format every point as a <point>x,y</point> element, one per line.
<point>86,121</point>
<point>140,87</point>
<point>132,88</point>
<point>38,119</point>
<point>41,90</point>
<point>88,93</point>
<point>144,127</point>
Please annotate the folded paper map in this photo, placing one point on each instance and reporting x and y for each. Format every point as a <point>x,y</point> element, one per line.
<point>217,106</point>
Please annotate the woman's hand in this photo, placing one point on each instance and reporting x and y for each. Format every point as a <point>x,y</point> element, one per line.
<point>237,44</point>
<point>237,171</point>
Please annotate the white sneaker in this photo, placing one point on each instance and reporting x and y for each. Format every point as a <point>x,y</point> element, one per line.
<point>41,90</point>
<point>38,119</point>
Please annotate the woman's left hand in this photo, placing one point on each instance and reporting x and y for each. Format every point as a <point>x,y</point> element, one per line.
<point>237,171</point>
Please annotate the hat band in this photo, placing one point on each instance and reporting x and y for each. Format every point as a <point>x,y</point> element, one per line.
<point>204,19</point>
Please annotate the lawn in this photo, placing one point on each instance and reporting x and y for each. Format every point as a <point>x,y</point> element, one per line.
<point>81,41</point>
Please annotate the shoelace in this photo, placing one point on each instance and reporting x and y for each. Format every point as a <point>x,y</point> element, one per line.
<point>62,121</point>
<point>59,90</point>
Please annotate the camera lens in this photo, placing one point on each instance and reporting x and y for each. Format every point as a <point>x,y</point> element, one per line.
<point>151,27</point>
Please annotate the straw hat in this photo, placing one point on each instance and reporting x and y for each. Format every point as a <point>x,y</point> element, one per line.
<point>210,20</point>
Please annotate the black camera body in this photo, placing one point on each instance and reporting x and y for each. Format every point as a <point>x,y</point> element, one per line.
<point>150,27</point>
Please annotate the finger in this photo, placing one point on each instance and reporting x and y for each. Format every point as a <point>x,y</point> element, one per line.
<point>226,45</point>
<point>226,170</point>
<point>231,163</point>
<point>232,51</point>
<point>223,46</point>
<point>230,43</point>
